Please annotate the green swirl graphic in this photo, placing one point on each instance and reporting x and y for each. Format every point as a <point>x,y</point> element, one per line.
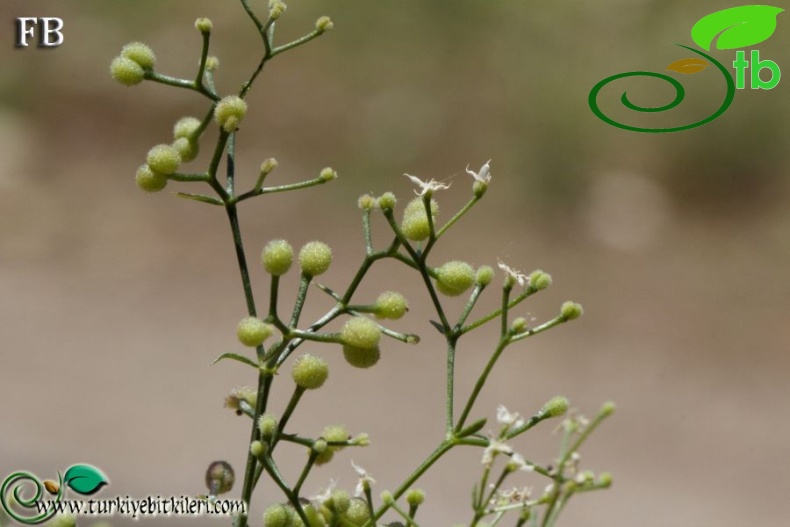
<point>17,480</point>
<point>680,94</point>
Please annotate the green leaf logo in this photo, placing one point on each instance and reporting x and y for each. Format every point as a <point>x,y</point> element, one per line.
<point>737,27</point>
<point>84,479</point>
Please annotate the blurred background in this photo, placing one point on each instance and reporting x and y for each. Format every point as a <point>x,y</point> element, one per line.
<point>114,302</point>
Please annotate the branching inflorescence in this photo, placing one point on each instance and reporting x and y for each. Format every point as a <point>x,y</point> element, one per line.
<point>276,335</point>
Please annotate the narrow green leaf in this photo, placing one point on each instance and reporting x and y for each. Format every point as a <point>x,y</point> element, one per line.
<point>236,357</point>
<point>438,326</point>
<point>736,27</point>
<point>199,197</point>
<point>474,427</point>
<point>84,479</point>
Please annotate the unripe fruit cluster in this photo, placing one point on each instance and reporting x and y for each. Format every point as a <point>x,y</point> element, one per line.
<point>252,331</point>
<point>315,258</point>
<point>415,225</point>
<point>391,305</point>
<point>161,161</point>
<point>454,278</point>
<point>130,66</point>
<point>229,112</point>
<point>277,257</point>
<point>310,372</point>
<point>360,337</point>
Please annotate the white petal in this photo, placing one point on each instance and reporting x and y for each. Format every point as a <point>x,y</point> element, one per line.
<point>503,416</point>
<point>359,470</point>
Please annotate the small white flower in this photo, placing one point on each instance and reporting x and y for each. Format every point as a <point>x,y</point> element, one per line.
<point>426,186</point>
<point>505,417</point>
<point>495,447</point>
<point>523,280</point>
<point>484,175</point>
<point>365,479</point>
<point>324,494</point>
<point>521,463</point>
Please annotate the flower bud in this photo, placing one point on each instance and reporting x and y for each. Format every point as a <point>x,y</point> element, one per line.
<point>268,166</point>
<point>148,180</point>
<point>415,497</point>
<point>519,325</point>
<point>335,433</point>
<point>607,409</point>
<point>323,24</point>
<point>453,278</point>
<point>555,407</point>
<point>310,372</point>
<point>257,448</point>
<point>391,305</point>
<point>163,159</point>
<point>539,280</point>
<point>605,479</point>
<point>328,174</point>
<point>126,71</point>
<point>277,257</point>
<point>484,275</point>
<point>276,9</point>
<point>387,201</point>
<point>212,63</point>
<point>361,440</point>
<point>571,310</point>
<point>361,357</point>
<point>360,332</point>
<point>203,25</point>
<point>357,513</point>
<point>219,478</point>
<point>276,515</point>
<point>188,150</point>
<point>315,258</point>
<point>140,53</point>
<point>229,112</point>
<point>185,127</point>
<point>252,331</point>
<point>386,498</point>
<point>320,446</point>
<point>366,202</point>
<point>267,425</point>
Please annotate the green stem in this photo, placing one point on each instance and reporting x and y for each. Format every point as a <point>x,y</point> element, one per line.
<point>497,312</point>
<point>298,42</point>
<point>305,471</point>
<point>274,472</point>
<point>202,69</point>
<point>441,450</point>
<point>458,216</point>
<point>289,410</point>
<point>304,283</point>
<point>481,382</point>
<point>450,388</point>
<point>366,232</point>
<point>283,188</point>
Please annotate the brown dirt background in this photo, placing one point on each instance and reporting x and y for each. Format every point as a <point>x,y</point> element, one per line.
<point>112,302</point>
